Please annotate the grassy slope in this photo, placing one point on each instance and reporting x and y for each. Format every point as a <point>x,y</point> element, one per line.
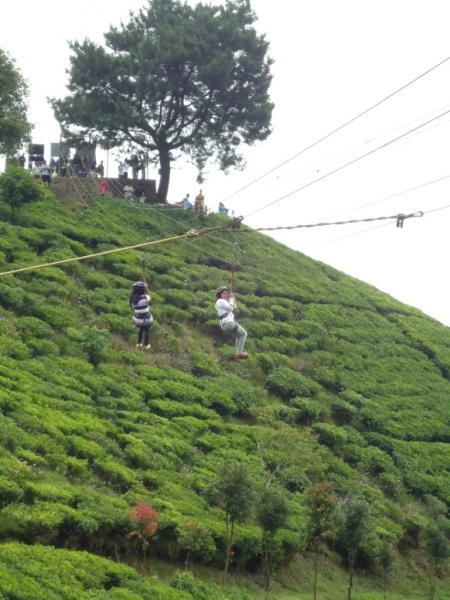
<point>344,383</point>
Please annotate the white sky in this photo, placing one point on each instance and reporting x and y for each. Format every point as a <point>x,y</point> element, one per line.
<point>332,60</point>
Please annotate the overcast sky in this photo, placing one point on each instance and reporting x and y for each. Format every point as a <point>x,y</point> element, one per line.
<point>332,61</point>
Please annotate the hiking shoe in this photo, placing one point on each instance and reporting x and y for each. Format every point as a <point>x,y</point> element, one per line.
<point>138,345</point>
<point>147,347</point>
<point>240,355</point>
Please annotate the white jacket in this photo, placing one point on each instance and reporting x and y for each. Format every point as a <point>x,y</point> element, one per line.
<point>225,310</point>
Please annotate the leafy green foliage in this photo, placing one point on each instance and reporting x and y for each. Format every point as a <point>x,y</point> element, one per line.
<point>43,573</point>
<point>14,125</point>
<point>80,445</point>
<point>199,590</point>
<point>272,513</point>
<point>93,341</point>
<point>354,528</point>
<point>173,78</point>
<point>437,548</point>
<point>234,493</point>
<point>19,187</point>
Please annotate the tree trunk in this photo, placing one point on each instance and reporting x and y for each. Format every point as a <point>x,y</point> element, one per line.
<point>229,543</point>
<point>269,564</point>
<point>351,564</point>
<point>265,561</point>
<point>164,175</point>
<point>432,584</point>
<point>316,568</point>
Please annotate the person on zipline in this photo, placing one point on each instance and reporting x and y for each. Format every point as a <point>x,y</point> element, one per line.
<point>225,305</point>
<point>140,302</point>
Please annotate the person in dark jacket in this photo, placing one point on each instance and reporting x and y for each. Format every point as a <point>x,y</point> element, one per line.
<point>140,303</point>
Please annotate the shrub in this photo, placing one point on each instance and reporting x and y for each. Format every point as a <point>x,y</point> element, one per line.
<point>30,326</point>
<point>329,378</point>
<point>199,590</point>
<point>93,341</point>
<point>231,394</point>
<point>308,410</point>
<point>201,365</point>
<point>9,492</point>
<point>330,435</point>
<point>287,383</point>
<point>13,348</point>
<point>270,360</point>
<point>196,541</point>
<point>19,187</point>
<point>115,473</point>
<point>375,461</point>
<point>342,412</point>
<point>42,347</point>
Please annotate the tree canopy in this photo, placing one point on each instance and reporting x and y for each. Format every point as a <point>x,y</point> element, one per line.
<point>14,125</point>
<point>175,78</point>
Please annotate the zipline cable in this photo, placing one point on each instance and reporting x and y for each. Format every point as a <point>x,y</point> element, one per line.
<point>389,197</point>
<point>343,237</point>
<point>232,224</point>
<point>143,209</point>
<point>343,153</point>
<point>347,164</point>
<point>329,134</point>
<point>400,218</point>
<point>189,234</point>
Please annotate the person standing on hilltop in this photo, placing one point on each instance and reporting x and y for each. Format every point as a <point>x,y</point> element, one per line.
<point>140,302</point>
<point>225,306</point>
<point>199,206</point>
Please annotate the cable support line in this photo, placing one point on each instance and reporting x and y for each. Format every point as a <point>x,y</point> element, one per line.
<point>395,195</point>
<point>400,218</point>
<point>348,164</point>
<point>343,237</point>
<point>339,128</point>
<point>432,210</point>
<point>408,124</point>
<point>143,209</point>
<point>235,223</point>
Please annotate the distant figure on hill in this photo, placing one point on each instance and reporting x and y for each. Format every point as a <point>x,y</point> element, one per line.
<point>123,170</point>
<point>199,206</point>
<point>102,187</point>
<point>186,203</point>
<point>139,194</point>
<point>222,209</point>
<point>225,306</point>
<point>45,173</point>
<point>128,192</point>
<point>134,163</point>
<point>140,302</point>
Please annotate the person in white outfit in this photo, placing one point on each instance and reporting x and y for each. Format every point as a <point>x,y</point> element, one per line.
<point>225,306</point>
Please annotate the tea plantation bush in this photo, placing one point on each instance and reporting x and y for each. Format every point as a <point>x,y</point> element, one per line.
<point>342,384</point>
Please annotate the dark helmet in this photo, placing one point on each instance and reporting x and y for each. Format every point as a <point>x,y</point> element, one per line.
<point>139,287</point>
<point>221,289</point>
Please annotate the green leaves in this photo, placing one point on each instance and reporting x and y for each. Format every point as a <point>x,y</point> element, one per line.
<point>174,77</point>
<point>14,125</point>
<point>19,187</point>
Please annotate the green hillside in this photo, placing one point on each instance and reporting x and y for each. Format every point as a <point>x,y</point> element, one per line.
<point>344,385</point>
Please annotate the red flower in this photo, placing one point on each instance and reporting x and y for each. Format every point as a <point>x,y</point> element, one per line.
<point>145,515</point>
